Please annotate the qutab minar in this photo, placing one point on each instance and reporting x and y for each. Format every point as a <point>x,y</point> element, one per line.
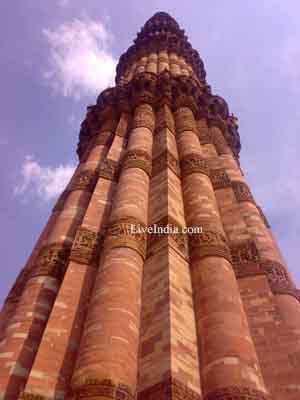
<point>100,313</point>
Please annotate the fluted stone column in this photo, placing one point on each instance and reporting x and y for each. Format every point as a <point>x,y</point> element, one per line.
<point>152,63</point>
<point>25,328</point>
<point>229,365</point>
<point>16,291</point>
<point>168,357</point>
<point>107,360</point>
<point>163,61</point>
<point>58,349</point>
<point>259,267</point>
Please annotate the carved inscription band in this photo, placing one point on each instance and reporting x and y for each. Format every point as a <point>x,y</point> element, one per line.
<point>193,163</point>
<point>52,261</point>
<point>246,262</point>
<point>219,179</point>
<point>163,161</point>
<point>109,169</point>
<point>169,389</point>
<point>105,389</point>
<point>127,232</point>
<point>84,180</point>
<point>165,229</point>
<point>138,159</point>
<point>86,247</point>
<point>208,243</point>
<point>236,393</point>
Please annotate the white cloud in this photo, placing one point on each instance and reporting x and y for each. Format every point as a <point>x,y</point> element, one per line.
<point>46,183</point>
<point>80,60</point>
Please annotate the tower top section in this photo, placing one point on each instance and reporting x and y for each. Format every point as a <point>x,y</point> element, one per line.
<point>161,33</point>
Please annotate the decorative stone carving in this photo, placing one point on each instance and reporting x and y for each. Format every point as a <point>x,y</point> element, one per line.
<point>184,95</point>
<point>84,180</point>
<point>277,277</point>
<point>219,179</point>
<point>138,159</point>
<point>51,261</point>
<point>163,161</point>
<point>244,252</point>
<point>193,163</point>
<point>127,232</point>
<point>85,249</point>
<point>144,117</point>
<point>109,169</point>
<point>31,396</point>
<point>185,120</point>
<point>103,389</point>
<point>245,270</point>
<point>208,243</point>
<point>160,90</point>
<point>266,222</point>
<point>242,192</point>
<point>167,228</point>
<point>236,393</point>
<point>169,389</point>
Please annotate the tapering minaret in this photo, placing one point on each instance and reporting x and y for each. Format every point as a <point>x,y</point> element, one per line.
<point>107,309</point>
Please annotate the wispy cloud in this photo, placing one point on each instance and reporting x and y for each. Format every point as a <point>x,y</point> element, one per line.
<point>43,183</point>
<point>80,59</point>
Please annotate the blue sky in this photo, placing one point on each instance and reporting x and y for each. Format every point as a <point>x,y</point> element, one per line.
<point>57,55</point>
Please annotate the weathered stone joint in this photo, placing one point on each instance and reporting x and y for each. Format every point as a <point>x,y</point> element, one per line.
<point>127,232</point>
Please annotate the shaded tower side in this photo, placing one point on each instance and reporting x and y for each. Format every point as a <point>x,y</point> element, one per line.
<point>104,309</point>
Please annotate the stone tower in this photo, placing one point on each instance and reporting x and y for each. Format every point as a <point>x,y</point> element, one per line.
<point>106,310</point>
